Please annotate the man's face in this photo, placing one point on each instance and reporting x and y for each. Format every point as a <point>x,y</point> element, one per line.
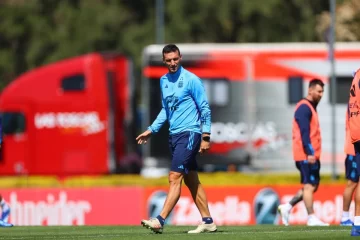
<point>316,92</point>
<point>172,61</point>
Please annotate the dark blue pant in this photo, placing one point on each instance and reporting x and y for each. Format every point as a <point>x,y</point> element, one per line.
<point>184,148</point>
<point>310,173</point>
<point>351,168</point>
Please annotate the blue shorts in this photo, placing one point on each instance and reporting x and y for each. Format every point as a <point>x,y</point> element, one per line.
<point>310,173</point>
<point>184,147</point>
<point>357,156</point>
<point>351,169</point>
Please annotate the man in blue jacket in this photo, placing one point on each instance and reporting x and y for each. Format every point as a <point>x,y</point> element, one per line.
<point>185,107</point>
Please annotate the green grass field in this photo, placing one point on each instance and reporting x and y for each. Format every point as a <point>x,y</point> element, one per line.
<point>175,233</point>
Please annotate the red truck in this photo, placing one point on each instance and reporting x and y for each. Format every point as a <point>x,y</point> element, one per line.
<point>68,117</point>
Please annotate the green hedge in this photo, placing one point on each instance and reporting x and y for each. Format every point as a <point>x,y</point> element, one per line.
<point>208,179</point>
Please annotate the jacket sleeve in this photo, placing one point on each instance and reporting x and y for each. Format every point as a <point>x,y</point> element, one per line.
<point>303,117</point>
<point>160,119</point>
<point>199,96</point>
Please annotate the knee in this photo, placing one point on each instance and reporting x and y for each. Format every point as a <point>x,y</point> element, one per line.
<point>175,177</point>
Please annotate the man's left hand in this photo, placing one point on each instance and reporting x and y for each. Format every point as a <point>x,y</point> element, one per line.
<point>205,145</point>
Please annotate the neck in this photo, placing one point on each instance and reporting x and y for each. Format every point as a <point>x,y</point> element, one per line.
<point>175,75</point>
<point>309,98</point>
<point>177,71</point>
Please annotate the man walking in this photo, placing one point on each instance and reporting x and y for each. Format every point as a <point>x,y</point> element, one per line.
<point>185,107</point>
<point>354,127</point>
<point>306,153</point>
<point>351,175</point>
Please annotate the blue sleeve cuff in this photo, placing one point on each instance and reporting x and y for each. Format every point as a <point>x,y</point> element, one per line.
<point>151,130</point>
<point>206,129</point>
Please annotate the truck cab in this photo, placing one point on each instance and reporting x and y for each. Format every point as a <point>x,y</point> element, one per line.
<point>68,117</point>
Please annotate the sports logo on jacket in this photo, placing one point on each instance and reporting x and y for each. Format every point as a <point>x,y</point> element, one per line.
<point>172,102</point>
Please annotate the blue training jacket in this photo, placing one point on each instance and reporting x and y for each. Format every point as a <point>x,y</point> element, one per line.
<point>184,104</point>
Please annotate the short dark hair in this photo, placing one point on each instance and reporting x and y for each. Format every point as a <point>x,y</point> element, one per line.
<point>315,81</point>
<point>170,48</point>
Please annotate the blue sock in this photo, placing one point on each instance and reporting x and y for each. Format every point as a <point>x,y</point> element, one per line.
<point>161,220</point>
<point>207,220</point>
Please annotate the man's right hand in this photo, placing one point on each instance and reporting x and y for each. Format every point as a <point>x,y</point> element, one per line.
<point>311,159</point>
<point>142,138</point>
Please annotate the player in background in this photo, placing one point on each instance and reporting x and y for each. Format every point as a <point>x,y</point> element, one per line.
<point>5,212</point>
<point>351,175</point>
<point>5,209</point>
<point>306,152</point>
<point>185,107</point>
<point>354,129</point>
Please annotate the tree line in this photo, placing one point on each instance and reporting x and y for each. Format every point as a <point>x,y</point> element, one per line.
<point>37,32</point>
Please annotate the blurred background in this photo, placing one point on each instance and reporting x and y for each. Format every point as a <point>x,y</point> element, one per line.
<point>79,81</point>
